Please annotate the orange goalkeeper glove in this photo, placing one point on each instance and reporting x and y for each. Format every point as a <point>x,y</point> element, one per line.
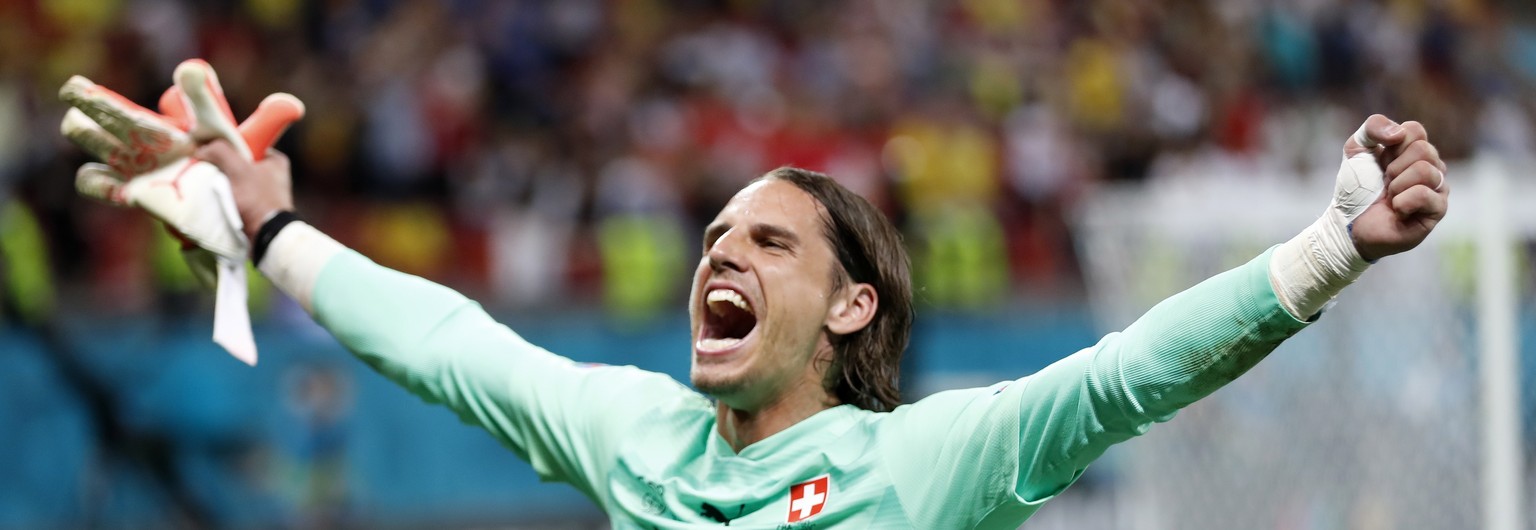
<point>194,200</point>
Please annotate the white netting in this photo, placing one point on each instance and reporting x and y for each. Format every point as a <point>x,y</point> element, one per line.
<point>1368,419</point>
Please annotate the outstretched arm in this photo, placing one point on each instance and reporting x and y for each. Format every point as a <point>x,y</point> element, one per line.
<point>440,345</point>
<point>1036,435</point>
<point>1389,194</point>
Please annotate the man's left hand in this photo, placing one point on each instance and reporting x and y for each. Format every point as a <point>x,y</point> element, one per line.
<point>1414,193</point>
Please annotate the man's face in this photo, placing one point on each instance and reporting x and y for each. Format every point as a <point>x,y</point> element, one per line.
<point>761,296</point>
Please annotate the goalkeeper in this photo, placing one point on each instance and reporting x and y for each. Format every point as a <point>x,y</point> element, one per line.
<point>800,310</point>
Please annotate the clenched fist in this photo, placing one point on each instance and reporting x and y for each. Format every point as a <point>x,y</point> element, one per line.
<point>1400,163</point>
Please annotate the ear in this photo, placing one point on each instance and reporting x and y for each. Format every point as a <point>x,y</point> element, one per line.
<point>853,309</point>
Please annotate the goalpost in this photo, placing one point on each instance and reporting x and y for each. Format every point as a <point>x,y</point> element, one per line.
<point>1499,336</point>
<point>1400,408</point>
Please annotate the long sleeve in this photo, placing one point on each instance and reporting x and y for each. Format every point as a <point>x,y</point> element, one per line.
<point>559,415</point>
<point>996,453</point>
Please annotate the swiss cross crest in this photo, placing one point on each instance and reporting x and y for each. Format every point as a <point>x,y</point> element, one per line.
<point>806,499</point>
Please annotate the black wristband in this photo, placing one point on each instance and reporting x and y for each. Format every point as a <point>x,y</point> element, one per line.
<point>268,232</point>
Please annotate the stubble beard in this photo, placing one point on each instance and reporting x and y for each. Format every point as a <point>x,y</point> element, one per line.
<point>715,384</point>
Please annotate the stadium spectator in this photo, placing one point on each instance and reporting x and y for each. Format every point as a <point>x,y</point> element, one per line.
<point>744,87</point>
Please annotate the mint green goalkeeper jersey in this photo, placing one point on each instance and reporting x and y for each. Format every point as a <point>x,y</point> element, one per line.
<point>645,448</point>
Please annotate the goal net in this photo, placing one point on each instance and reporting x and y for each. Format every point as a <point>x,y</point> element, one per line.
<point>1372,418</point>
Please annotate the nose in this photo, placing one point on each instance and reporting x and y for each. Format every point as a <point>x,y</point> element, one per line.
<point>727,253</point>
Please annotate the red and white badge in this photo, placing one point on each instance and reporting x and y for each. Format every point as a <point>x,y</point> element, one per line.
<point>806,499</point>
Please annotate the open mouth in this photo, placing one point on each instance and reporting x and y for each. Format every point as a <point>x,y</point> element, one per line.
<point>728,320</point>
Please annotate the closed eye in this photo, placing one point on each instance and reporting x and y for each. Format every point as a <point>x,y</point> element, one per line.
<point>774,237</point>
<point>764,235</point>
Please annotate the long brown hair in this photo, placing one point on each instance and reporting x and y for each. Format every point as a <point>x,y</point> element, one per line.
<point>866,368</point>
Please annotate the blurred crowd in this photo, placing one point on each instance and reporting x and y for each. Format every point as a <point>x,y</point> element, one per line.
<point>568,151</point>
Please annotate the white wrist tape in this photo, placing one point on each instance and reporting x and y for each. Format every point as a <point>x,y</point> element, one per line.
<point>295,259</point>
<point>1310,269</point>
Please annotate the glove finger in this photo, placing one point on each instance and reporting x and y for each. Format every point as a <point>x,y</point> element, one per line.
<point>271,119</point>
<point>215,88</point>
<point>100,182</point>
<point>129,122</point>
<point>211,118</point>
<point>90,137</point>
<point>173,105</point>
